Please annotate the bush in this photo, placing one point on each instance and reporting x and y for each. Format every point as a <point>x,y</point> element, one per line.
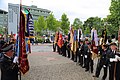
<point>40,40</point>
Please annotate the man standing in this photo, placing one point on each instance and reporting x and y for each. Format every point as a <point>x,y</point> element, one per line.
<point>89,61</point>
<point>114,67</point>
<point>102,62</point>
<point>9,71</point>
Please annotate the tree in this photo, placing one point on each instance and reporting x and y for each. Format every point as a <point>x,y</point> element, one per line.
<point>65,23</point>
<point>93,22</point>
<point>36,27</point>
<point>51,22</point>
<point>77,24</point>
<point>114,18</point>
<point>57,25</point>
<point>41,23</point>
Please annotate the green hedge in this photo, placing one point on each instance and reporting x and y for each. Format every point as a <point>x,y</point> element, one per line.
<point>40,40</point>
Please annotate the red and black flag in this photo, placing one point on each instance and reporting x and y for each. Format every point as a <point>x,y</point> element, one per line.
<point>23,60</point>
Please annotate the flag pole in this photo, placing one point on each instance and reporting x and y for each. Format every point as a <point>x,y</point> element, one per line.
<point>19,35</point>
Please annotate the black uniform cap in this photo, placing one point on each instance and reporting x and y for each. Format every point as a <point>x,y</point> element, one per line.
<point>2,44</point>
<point>7,48</point>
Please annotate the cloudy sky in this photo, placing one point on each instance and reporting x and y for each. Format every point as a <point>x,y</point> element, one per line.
<point>81,9</point>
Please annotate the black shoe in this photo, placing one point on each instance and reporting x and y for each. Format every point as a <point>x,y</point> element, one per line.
<point>95,76</point>
<point>83,66</point>
<point>75,61</point>
<point>91,71</point>
<point>86,70</point>
<point>68,57</point>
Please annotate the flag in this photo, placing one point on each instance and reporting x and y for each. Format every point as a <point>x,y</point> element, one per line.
<point>94,44</point>
<point>104,36</point>
<point>56,37</point>
<point>29,29</point>
<point>71,38</point>
<point>60,40</point>
<point>23,30</point>
<point>80,35</point>
<point>75,42</point>
<point>94,37</point>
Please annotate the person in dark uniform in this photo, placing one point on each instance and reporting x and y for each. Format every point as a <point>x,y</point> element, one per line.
<point>89,61</point>
<point>103,62</point>
<point>114,65</point>
<point>68,46</point>
<point>76,53</point>
<point>80,52</point>
<point>9,71</point>
<point>85,53</point>
<point>55,42</point>
<point>64,47</point>
<point>68,49</point>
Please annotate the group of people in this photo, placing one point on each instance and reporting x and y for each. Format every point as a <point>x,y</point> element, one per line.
<point>8,65</point>
<point>107,55</point>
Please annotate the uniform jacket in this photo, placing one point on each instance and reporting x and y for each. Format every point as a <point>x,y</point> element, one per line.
<point>8,72</point>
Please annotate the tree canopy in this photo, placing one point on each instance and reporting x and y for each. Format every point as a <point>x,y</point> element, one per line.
<point>77,23</point>
<point>114,18</point>
<point>65,23</point>
<point>93,22</point>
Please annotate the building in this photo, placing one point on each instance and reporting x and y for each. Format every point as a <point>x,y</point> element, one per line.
<point>3,18</point>
<point>36,12</point>
<point>14,13</point>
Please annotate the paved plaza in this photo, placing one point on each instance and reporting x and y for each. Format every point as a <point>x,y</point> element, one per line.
<point>48,65</point>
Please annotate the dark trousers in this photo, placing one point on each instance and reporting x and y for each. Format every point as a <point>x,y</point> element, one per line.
<point>81,59</point>
<point>84,61</point>
<point>59,50</point>
<point>64,50</point>
<point>111,71</point>
<point>54,47</point>
<point>114,71</point>
<point>98,69</point>
<point>68,51</point>
<point>89,64</point>
<point>76,54</point>
<point>72,55</point>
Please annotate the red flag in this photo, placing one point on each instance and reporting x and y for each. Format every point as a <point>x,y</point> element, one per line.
<point>23,61</point>
<point>60,41</point>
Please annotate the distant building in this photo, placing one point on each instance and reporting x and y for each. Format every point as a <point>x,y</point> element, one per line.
<point>36,12</point>
<point>3,18</point>
<point>14,13</point>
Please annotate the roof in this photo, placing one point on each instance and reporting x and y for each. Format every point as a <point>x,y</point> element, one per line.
<point>3,11</point>
<point>35,7</point>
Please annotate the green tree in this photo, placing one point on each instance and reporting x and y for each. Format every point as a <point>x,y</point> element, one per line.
<point>77,24</point>
<point>114,18</point>
<point>93,22</point>
<point>51,21</point>
<point>41,23</point>
<point>57,25</point>
<point>65,23</point>
<point>36,27</point>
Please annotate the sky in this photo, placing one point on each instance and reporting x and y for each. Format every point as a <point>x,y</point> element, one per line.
<point>82,9</point>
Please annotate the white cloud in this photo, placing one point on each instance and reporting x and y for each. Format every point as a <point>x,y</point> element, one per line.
<point>82,9</point>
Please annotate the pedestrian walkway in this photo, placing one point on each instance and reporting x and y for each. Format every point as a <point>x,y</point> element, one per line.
<point>48,65</point>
